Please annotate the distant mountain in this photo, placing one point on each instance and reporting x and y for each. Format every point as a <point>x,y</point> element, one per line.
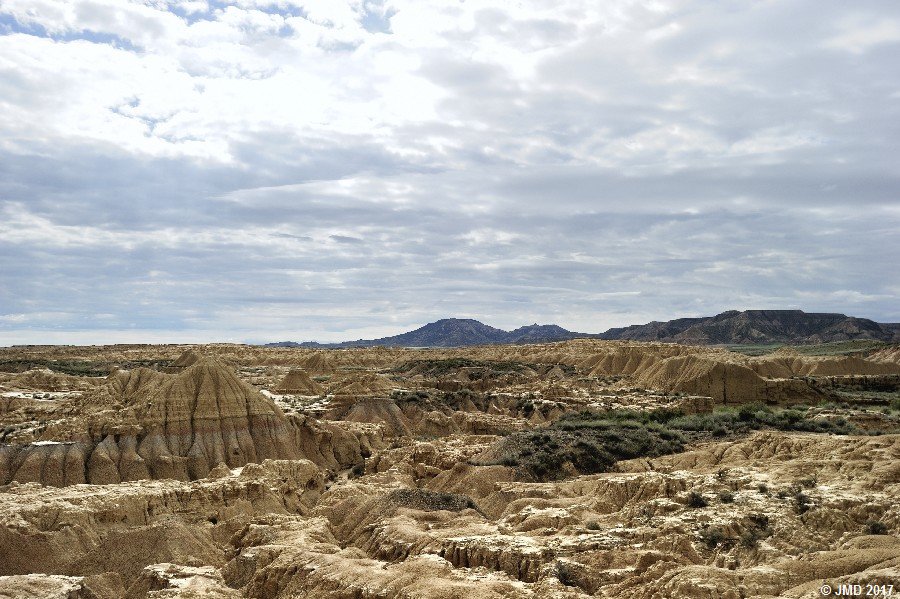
<point>759,326</point>
<point>453,332</point>
<point>793,327</point>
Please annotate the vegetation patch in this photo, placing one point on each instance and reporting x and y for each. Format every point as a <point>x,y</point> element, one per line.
<point>757,529</point>
<point>430,501</point>
<point>750,417</point>
<point>585,443</point>
<point>71,367</point>
<point>696,500</point>
<point>862,347</point>
<point>875,527</point>
<point>590,442</point>
<point>713,536</point>
<point>437,368</point>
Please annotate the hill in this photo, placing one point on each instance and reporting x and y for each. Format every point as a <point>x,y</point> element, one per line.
<point>454,332</point>
<point>759,326</point>
<point>791,327</point>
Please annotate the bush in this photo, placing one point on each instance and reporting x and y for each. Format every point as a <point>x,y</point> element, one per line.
<point>696,500</point>
<point>566,574</point>
<point>802,502</point>
<point>726,497</point>
<point>763,489</point>
<point>874,527</point>
<point>593,525</point>
<point>712,536</point>
<point>588,442</point>
<point>756,416</point>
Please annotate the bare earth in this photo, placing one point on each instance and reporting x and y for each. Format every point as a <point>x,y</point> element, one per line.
<point>236,471</point>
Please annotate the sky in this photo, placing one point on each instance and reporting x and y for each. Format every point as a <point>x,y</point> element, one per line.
<point>261,170</point>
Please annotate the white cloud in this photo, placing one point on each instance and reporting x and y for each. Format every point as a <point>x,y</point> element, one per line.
<point>863,34</point>
<point>178,165</point>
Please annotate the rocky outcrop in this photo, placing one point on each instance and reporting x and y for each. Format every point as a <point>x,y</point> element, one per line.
<point>92,529</point>
<point>176,427</point>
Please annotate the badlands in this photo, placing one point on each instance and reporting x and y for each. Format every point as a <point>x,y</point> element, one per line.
<point>584,468</point>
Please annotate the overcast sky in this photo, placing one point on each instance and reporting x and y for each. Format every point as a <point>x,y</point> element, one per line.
<point>184,170</point>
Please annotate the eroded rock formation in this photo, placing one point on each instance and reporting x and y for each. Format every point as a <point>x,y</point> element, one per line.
<point>388,475</point>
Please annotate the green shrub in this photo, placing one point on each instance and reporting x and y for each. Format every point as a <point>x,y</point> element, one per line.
<point>696,500</point>
<point>757,416</point>
<point>808,482</point>
<point>566,574</point>
<point>802,502</point>
<point>712,536</point>
<point>874,527</point>
<point>589,442</point>
<point>757,529</point>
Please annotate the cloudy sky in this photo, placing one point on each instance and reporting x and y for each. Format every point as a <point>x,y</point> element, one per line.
<point>254,170</point>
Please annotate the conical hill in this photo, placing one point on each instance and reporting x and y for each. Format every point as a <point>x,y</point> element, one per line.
<point>297,382</point>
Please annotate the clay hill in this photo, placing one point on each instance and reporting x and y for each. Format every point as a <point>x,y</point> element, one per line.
<point>578,469</point>
<point>143,424</point>
<point>792,327</point>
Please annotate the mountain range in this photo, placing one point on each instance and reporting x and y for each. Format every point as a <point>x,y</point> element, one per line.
<point>454,332</point>
<point>732,327</point>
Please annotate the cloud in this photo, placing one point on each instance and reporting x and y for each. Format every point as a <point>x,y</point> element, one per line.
<point>272,169</point>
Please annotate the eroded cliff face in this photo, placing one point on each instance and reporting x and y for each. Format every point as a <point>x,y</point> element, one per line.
<point>148,425</point>
<point>208,477</point>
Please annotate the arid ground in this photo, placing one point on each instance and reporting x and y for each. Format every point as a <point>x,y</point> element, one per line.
<point>584,468</point>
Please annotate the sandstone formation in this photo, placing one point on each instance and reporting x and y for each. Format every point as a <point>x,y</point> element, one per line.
<point>165,426</point>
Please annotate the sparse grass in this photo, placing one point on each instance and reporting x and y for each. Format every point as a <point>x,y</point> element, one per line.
<point>749,349</point>
<point>835,348</point>
<point>442,367</point>
<point>429,501</point>
<point>72,367</point>
<point>756,416</point>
